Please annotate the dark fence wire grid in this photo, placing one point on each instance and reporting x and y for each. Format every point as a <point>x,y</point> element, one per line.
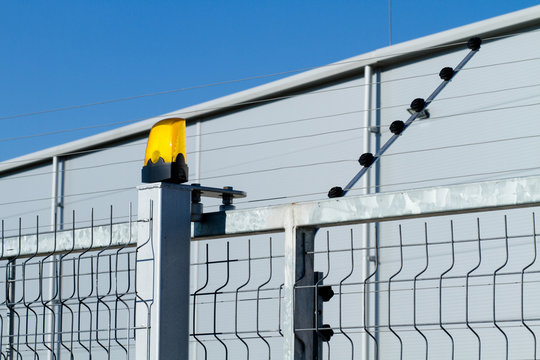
<point>69,303</point>
<point>390,295</point>
<point>109,296</point>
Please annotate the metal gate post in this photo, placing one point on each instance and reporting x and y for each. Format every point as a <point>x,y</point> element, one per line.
<point>163,257</point>
<point>299,304</point>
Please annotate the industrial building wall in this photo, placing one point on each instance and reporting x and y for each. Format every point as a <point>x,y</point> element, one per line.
<point>33,185</point>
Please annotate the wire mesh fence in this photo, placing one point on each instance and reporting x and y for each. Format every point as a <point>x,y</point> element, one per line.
<point>68,294</point>
<point>464,287</point>
<point>236,298</point>
<point>459,286</point>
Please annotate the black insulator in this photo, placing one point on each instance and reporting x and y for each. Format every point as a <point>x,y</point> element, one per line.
<point>325,332</point>
<point>335,192</point>
<point>474,43</point>
<point>397,127</point>
<point>366,159</point>
<point>418,104</point>
<point>446,73</point>
<point>326,293</point>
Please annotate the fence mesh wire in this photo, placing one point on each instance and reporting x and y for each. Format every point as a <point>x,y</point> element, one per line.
<point>236,298</point>
<point>460,287</point>
<point>67,295</point>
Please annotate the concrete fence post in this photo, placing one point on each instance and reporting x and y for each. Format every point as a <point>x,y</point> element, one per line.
<point>163,258</point>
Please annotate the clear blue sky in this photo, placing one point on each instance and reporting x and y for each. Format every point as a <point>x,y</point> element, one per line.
<point>63,53</point>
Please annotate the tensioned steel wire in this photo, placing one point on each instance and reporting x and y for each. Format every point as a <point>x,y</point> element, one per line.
<point>300,137</point>
<point>488,173</point>
<point>297,195</point>
<point>290,196</point>
<point>454,44</point>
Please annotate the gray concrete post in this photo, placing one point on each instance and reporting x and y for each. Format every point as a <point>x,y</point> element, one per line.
<point>163,257</point>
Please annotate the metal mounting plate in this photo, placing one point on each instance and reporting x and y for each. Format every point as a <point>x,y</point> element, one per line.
<point>217,192</point>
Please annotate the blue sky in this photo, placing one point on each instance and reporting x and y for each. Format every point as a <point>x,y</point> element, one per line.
<point>66,53</point>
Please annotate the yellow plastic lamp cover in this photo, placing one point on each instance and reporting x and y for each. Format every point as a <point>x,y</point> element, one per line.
<point>165,158</point>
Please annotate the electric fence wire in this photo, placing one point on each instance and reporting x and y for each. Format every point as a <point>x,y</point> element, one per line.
<point>413,182</point>
<point>335,161</point>
<point>283,139</point>
<point>297,165</point>
<point>166,92</point>
<point>297,195</point>
<point>294,196</point>
<point>314,164</point>
<point>183,113</point>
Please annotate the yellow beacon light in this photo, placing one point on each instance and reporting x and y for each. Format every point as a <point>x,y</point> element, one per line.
<point>165,158</point>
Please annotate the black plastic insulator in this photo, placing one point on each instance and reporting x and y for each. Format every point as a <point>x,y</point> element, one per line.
<point>335,192</point>
<point>418,104</point>
<point>326,332</point>
<point>326,293</point>
<point>175,172</point>
<point>446,73</point>
<point>397,127</point>
<point>366,159</point>
<point>474,43</point>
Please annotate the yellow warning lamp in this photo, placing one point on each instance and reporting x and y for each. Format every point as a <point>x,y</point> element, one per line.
<point>165,158</point>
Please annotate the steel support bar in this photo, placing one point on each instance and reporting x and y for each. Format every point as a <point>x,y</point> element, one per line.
<point>64,241</point>
<point>163,258</point>
<point>409,121</point>
<point>441,200</point>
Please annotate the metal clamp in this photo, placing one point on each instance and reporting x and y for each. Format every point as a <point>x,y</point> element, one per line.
<point>227,194</point>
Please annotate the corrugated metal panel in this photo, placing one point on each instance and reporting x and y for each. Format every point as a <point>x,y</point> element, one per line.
<point>15,191</point>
